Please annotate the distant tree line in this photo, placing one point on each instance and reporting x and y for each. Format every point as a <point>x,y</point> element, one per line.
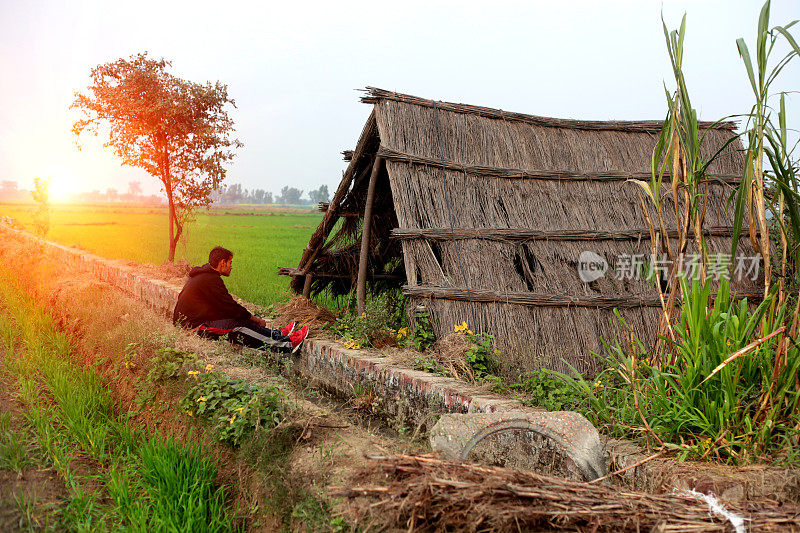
<point>236,194</point>
<point>9,190</point>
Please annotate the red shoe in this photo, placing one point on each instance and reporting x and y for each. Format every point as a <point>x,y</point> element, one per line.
<point>298,337</point>
<point>288,328</point>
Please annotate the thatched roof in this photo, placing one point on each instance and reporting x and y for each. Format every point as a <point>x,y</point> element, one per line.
<point>481,214</point>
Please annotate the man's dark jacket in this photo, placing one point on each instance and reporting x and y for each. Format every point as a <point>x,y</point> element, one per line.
<point>204,298</point>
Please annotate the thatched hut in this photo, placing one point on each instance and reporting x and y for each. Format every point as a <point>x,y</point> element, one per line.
<point>480,215</point>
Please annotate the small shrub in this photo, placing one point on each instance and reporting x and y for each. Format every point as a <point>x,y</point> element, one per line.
<point>545,389</point>
<point>170,363</point>
<point>380,323</point>
<point>233,407</point>
<point>482,358</point>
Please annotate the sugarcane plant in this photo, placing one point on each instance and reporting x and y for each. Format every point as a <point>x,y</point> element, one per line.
<point>752,198</point>
<point>678,157</point>
<point>723,379</point>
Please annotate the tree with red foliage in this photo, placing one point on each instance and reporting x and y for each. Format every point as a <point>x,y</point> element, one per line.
<point>176,130</point>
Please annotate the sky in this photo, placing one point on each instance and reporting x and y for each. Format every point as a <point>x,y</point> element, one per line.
<point>294,68</point>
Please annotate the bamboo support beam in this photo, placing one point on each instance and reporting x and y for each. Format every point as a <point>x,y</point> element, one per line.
<point>286,271</point>
<point>325,206</point>
<point>519,173</point>
<point>527,234</point>
<point>538,299</point>
<point>361,283</point>
<point>317,240</point>
<point>307,284</point>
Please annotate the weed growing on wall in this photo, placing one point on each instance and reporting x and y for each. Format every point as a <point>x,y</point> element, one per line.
<point>431,366</point>
<point>542,388</point>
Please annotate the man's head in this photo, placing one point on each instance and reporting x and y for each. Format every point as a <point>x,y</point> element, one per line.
<point>221,260</point>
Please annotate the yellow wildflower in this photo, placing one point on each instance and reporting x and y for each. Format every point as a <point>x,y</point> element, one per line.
<point>363,315</point>
<point>240,409</point>
<point>470,332</point>
<point>193,373</point>
<point>461,328</point>
<point>202,399</point>
<point>209,368</point>
<point>188,412</point>
<point>232,419</point>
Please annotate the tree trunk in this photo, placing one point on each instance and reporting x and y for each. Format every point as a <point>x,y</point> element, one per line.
<point>172,241</point>
<point>173,217</point>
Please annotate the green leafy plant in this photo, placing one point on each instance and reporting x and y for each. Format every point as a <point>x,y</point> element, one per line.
<point>546,389</point>
<point>422,336</point>
<point>168,363</point>
<point>233,407</point>
<point>381,320</point>
<point>482,358</point>
<point>431,365</point>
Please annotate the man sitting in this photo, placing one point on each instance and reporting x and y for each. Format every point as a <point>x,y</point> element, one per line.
<point>206,306</point>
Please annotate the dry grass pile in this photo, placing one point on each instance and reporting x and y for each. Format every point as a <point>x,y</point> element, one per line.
<point>304,312</point>
<point>450,351</point>
<point>174,272</point>
<point>424,493</point>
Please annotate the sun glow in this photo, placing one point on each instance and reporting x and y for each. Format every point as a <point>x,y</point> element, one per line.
<point>63,185</point>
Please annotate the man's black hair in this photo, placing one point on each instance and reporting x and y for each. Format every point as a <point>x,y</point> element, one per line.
<point>217,254</point>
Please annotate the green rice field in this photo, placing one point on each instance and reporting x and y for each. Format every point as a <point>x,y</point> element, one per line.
<point>262,238</point>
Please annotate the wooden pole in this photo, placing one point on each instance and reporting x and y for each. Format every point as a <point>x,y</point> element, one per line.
<point>361,283</point>
<point>307,285</point>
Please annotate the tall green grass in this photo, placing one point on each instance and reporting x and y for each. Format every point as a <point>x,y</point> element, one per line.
<point>154,483</point>
<point>720,396</point>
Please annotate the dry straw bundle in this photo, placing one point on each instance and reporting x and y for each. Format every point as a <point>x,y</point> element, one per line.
<point>424,493</point>
<point>305,313</point>
<point>450,351</point>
